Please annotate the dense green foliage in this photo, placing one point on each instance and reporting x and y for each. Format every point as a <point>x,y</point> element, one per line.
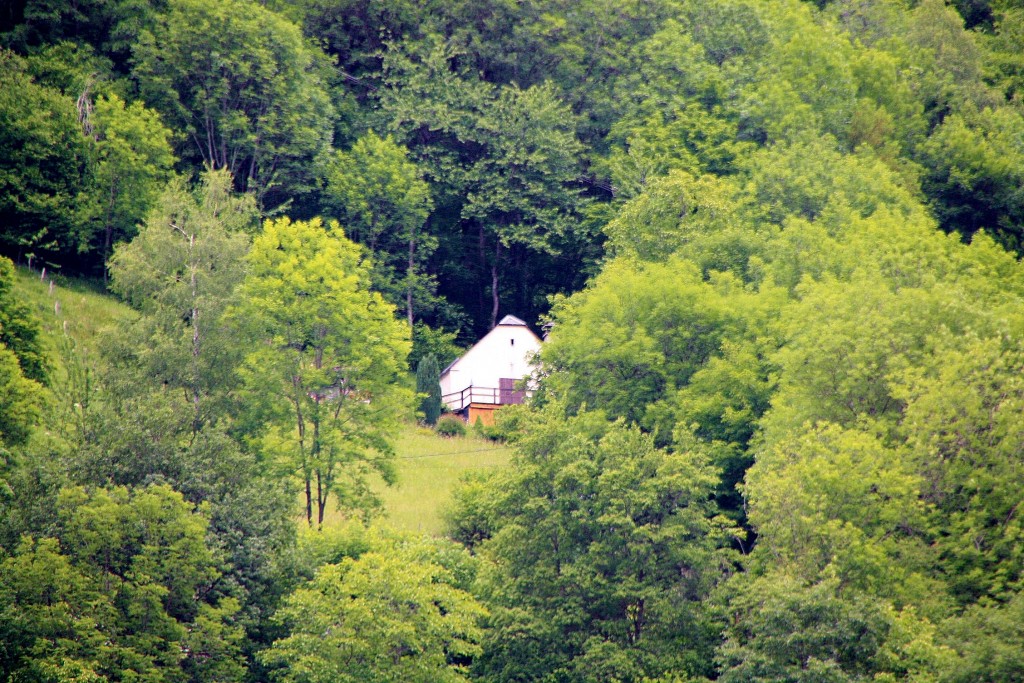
<point>383,201</point>
<point>515,117</point>
<point>122,591</point>
<point>41,154</point>
<point>775,428</point>
<point>604,549</point>
<point>384,609</point>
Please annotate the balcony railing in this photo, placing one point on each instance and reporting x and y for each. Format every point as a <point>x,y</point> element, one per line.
<point>460,400</point>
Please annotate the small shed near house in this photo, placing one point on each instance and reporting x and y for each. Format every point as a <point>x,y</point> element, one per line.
<point>484,379</point>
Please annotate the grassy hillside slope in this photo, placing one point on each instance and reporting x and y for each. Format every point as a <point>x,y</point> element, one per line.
<point>429,467</point>
<point>67,308</point>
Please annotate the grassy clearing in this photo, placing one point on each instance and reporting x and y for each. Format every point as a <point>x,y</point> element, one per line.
<point>429,467</point>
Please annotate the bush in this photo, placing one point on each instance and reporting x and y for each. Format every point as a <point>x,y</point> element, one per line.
<point>490,432</point>
<point>451,425</point>
<point>507,423</point>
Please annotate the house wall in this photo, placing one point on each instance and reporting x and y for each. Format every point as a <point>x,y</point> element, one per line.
<point>504,352</point>
<point>484,413</point>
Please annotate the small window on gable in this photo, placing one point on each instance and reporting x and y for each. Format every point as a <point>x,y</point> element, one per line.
<point>512,342</point>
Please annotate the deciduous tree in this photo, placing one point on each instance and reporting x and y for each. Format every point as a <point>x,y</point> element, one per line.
<point>604,547</point>
<point>245,89</point>
<point>395,613</point>
<point>181,272</point>
<point>119,594</point>
<point>324,363</point>
<point>132,160</point>
<point>42,156</point>
<point>384,202</point>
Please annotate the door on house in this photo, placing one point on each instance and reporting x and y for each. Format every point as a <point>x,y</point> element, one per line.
<point>507,391</point>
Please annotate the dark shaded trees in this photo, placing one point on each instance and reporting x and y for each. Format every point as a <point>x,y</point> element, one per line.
<point>504,163</point>
<point>245,90</point>
<point>42,157</point>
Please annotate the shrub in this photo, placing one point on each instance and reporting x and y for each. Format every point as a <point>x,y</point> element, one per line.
<point>451,425</point>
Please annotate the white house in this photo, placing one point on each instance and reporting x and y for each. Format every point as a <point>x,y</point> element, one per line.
<point>484,378</point>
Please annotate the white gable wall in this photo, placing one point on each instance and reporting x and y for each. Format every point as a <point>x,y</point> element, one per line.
<point>503,353</point>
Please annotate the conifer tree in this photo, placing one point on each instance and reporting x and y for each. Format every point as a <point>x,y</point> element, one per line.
<point>428,374</point>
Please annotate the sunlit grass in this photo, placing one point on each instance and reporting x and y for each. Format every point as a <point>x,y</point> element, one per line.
<point>429,466</point>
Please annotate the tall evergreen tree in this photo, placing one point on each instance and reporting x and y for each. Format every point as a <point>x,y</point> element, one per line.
<point>428,374</point>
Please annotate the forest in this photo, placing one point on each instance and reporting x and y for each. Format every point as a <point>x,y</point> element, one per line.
<point>777,433</point>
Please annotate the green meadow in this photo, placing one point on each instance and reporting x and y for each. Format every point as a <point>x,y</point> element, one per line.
<point>429,467</point>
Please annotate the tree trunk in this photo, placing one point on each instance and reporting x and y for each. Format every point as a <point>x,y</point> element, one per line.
<point>494,284</point>
<point>195,333</point>
<point>309,502</point>
<point>315,451</point>
<point>108,230</point>
<point>409,274</point>
<point>321,501</point>
<point>482,260</point>
<point>306,465</point>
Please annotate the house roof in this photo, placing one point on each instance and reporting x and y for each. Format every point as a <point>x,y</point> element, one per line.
<point>508,321</point>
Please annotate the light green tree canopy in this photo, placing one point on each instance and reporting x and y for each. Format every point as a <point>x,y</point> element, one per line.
<point>603,547</point>
<point>397,612</point>
<point>22,365</point>
<point>180,272</point>
<point>383,202</point>
<point>132,160</point>
<point>323,365</point>
<point>119,594</point>
<point>21,399</point>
